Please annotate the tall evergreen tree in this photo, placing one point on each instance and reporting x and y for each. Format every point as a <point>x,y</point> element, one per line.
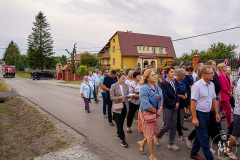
<point>40,44</point>
<point>12,55</point>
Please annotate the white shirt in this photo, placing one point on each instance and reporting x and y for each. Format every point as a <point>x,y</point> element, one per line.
<point>121,87</point>
<point>84,89</point>
<point>237,100</point>
<point>194,75</point>
<point>96,77</point>
<point>128,81</point>
<point>203,93</point>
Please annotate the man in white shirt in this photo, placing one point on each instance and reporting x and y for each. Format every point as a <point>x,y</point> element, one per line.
<point>97,76</point>
<point>91,78</point>
<point>203,100</point>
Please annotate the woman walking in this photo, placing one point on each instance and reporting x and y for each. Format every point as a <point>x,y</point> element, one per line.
<point>182,94</point>
<point>151,106</point>
<point>225,92</point>
<point>170,106</point>
<point>134,101</point>
<point>118,94</point>
<point>86,90</point>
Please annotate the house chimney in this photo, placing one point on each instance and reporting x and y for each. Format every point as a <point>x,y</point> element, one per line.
<point>129,31</point>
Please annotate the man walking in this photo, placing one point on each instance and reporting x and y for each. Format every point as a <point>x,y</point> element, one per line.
<point>96,75</point>
<point>203,99</point>
<point>105,73</point>
<point>107,83</point>
<point>91,78</point>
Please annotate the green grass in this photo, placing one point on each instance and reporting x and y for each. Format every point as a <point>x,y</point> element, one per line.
<point>72,82</point>
<point>23,75</point>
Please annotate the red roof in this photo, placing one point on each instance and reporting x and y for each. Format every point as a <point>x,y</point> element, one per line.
<point>129,41</point>
<point>79,57</point>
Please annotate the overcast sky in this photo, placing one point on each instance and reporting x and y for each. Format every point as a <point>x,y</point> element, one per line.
<point>91,23</point>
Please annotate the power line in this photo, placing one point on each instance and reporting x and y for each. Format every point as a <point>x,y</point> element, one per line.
<point>180,39</point>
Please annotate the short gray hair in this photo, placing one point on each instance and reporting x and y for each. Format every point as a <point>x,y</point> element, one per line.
<point>85,77</point>
<point>180,72</point>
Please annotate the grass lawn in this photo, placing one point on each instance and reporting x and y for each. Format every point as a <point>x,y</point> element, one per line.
<point>4,87</point>
<point>23,75</point>
<point>72,82</point>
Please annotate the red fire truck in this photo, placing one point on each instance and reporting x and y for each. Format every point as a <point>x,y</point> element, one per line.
<point>9,71</point>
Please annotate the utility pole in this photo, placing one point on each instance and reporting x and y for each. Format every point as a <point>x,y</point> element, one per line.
<point>76,61</point>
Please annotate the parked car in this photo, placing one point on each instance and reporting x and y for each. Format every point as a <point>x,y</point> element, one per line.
<point>41,75</point>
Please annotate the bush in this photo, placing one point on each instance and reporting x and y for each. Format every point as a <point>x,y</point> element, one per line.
<point>127,70</point>
<point>118,70</point>
<point>83,69</point>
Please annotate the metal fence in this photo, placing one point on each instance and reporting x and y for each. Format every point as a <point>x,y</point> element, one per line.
<point>233,62</point>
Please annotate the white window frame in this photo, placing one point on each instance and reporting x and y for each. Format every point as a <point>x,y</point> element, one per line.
<point>160,50</point>
<point>161,61</point>
<point>153,50</point>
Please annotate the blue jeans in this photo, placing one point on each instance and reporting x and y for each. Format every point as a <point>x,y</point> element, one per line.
<point>94,94</point>
<point>104,103</point>
<point>201,139</point>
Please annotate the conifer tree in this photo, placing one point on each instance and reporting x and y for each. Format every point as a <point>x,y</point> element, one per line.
<point>40,44</point>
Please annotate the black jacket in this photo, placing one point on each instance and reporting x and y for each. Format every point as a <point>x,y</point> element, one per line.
<point>170,97</point>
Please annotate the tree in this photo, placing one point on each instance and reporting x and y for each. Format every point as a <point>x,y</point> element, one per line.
<point>216,51</point>
<point>63,59</point>
<point>72,55</point>
<point>12,55</point>
<point>89,59</point>
<point>40,44</point>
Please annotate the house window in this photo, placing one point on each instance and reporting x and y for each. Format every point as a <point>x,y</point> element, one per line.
<point>161,61</point>
<point>113,40</point>
<point>153,50</point>
<point>148,48</point>
<point>144,48</point>
<point>109,52</point>
<point>139,47</point>
<point>113,49</point>
<point>160,50</point>
<point>113,61</point>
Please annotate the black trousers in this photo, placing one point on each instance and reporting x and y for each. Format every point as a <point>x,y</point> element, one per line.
<point>179,128</point>
<point>119,119</point>
<point>109,104</point>
<point>132,110</point>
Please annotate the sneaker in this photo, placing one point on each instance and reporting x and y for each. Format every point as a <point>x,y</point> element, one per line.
<point>111,124</point>
<point>118,136</point>
<point>124,143</point>
<point>188,142</point>
<point>174,147</point>
<point>105,116</point>
<point>181,138</point>
<point>88,111</point>
<point>167,132</point>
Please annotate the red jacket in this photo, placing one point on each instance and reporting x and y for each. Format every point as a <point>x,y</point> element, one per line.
<point>225,86</point>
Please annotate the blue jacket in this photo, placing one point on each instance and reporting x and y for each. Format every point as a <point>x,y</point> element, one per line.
<point>149,97</point>
<point>170,96</point>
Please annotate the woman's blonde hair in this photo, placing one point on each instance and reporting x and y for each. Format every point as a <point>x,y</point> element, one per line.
<point>130,74</point>
<point>146,75</point>
<point>219,66</point>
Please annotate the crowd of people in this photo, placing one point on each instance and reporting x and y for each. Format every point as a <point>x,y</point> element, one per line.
<point>204,94</point>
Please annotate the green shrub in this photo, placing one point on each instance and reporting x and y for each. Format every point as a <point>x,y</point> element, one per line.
<point>83,69</point>
<point>118,70</point>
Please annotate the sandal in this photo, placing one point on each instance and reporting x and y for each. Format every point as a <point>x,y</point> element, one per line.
<point>129,131</point>
<point>141,148</point>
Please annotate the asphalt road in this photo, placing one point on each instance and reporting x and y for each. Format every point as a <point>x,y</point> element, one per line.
<point>65,104</point>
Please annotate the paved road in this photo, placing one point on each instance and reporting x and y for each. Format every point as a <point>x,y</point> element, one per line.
<point>65,104</point>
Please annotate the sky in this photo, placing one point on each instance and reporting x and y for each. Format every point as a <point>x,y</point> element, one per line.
<point>91,23</point>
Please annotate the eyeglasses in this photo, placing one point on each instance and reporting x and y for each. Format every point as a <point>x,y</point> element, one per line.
<point>212,73</point>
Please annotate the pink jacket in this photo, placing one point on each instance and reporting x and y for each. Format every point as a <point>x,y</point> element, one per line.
<point>225,86</point>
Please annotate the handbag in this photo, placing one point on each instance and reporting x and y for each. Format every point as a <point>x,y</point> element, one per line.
<point>117,106</point>
<point>150,118</point>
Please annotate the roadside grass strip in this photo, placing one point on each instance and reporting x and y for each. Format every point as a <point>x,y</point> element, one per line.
<point>4,87</point>
<point>72,82</point>
<point>23,75</point>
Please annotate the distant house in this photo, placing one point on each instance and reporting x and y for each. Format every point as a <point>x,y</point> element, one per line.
<point>78,58</point>
<point>134,50</point>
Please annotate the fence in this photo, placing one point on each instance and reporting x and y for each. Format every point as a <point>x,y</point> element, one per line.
<point>233,62</point>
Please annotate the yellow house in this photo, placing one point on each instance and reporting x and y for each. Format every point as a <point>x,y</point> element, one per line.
<point>133,50</point>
